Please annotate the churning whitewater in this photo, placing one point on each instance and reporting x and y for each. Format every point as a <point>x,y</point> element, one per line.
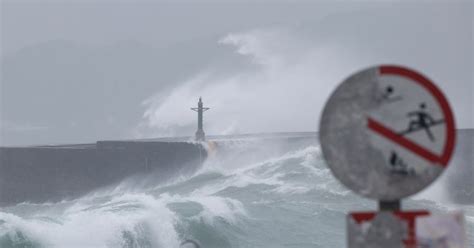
<point>249,193</point>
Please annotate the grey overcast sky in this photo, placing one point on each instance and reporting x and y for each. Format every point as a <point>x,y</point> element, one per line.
<point>79,71</point>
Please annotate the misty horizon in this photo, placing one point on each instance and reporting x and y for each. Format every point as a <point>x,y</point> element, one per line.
<point>134,70</point>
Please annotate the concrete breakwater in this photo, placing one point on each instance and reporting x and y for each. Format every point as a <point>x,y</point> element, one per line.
<point>52,173</point>
<point>460,174</point>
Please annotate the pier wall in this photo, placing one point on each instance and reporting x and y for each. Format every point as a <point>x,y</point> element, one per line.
<point>53,173</point>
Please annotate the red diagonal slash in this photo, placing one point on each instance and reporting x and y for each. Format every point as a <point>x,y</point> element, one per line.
<point>404,142</point>
<point>447,113</point>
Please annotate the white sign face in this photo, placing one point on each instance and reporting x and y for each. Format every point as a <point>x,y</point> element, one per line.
<point>405,229</point>
<point>442,230</point>
<point>387,132</point>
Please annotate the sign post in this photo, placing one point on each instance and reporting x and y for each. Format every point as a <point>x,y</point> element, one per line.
<point>387,132</point>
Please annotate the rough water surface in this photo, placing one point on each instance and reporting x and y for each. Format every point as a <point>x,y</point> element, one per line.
<point>249,193</point>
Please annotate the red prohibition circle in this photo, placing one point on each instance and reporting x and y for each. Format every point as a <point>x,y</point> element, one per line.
<point>424,82</point>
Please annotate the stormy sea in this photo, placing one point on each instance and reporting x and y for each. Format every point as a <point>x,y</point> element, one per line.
<point>252,192</point>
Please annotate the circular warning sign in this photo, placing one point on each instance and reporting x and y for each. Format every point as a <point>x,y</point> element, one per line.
<point>387,132</point>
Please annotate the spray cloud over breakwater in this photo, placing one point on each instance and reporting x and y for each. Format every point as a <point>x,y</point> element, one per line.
<point>281,71</point>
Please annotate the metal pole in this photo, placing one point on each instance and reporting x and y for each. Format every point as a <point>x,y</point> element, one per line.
<point>390,205</point>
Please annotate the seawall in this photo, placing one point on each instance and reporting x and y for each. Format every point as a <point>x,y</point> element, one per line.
<point>52,173</point>
<point>460,174</point>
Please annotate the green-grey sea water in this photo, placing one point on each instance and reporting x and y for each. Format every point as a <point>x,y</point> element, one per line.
<point>261,194</point>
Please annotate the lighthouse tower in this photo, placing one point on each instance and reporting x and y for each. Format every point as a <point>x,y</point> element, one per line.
<point>200,135</point>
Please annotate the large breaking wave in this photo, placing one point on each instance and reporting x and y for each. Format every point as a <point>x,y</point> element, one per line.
<point>250,193</point>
